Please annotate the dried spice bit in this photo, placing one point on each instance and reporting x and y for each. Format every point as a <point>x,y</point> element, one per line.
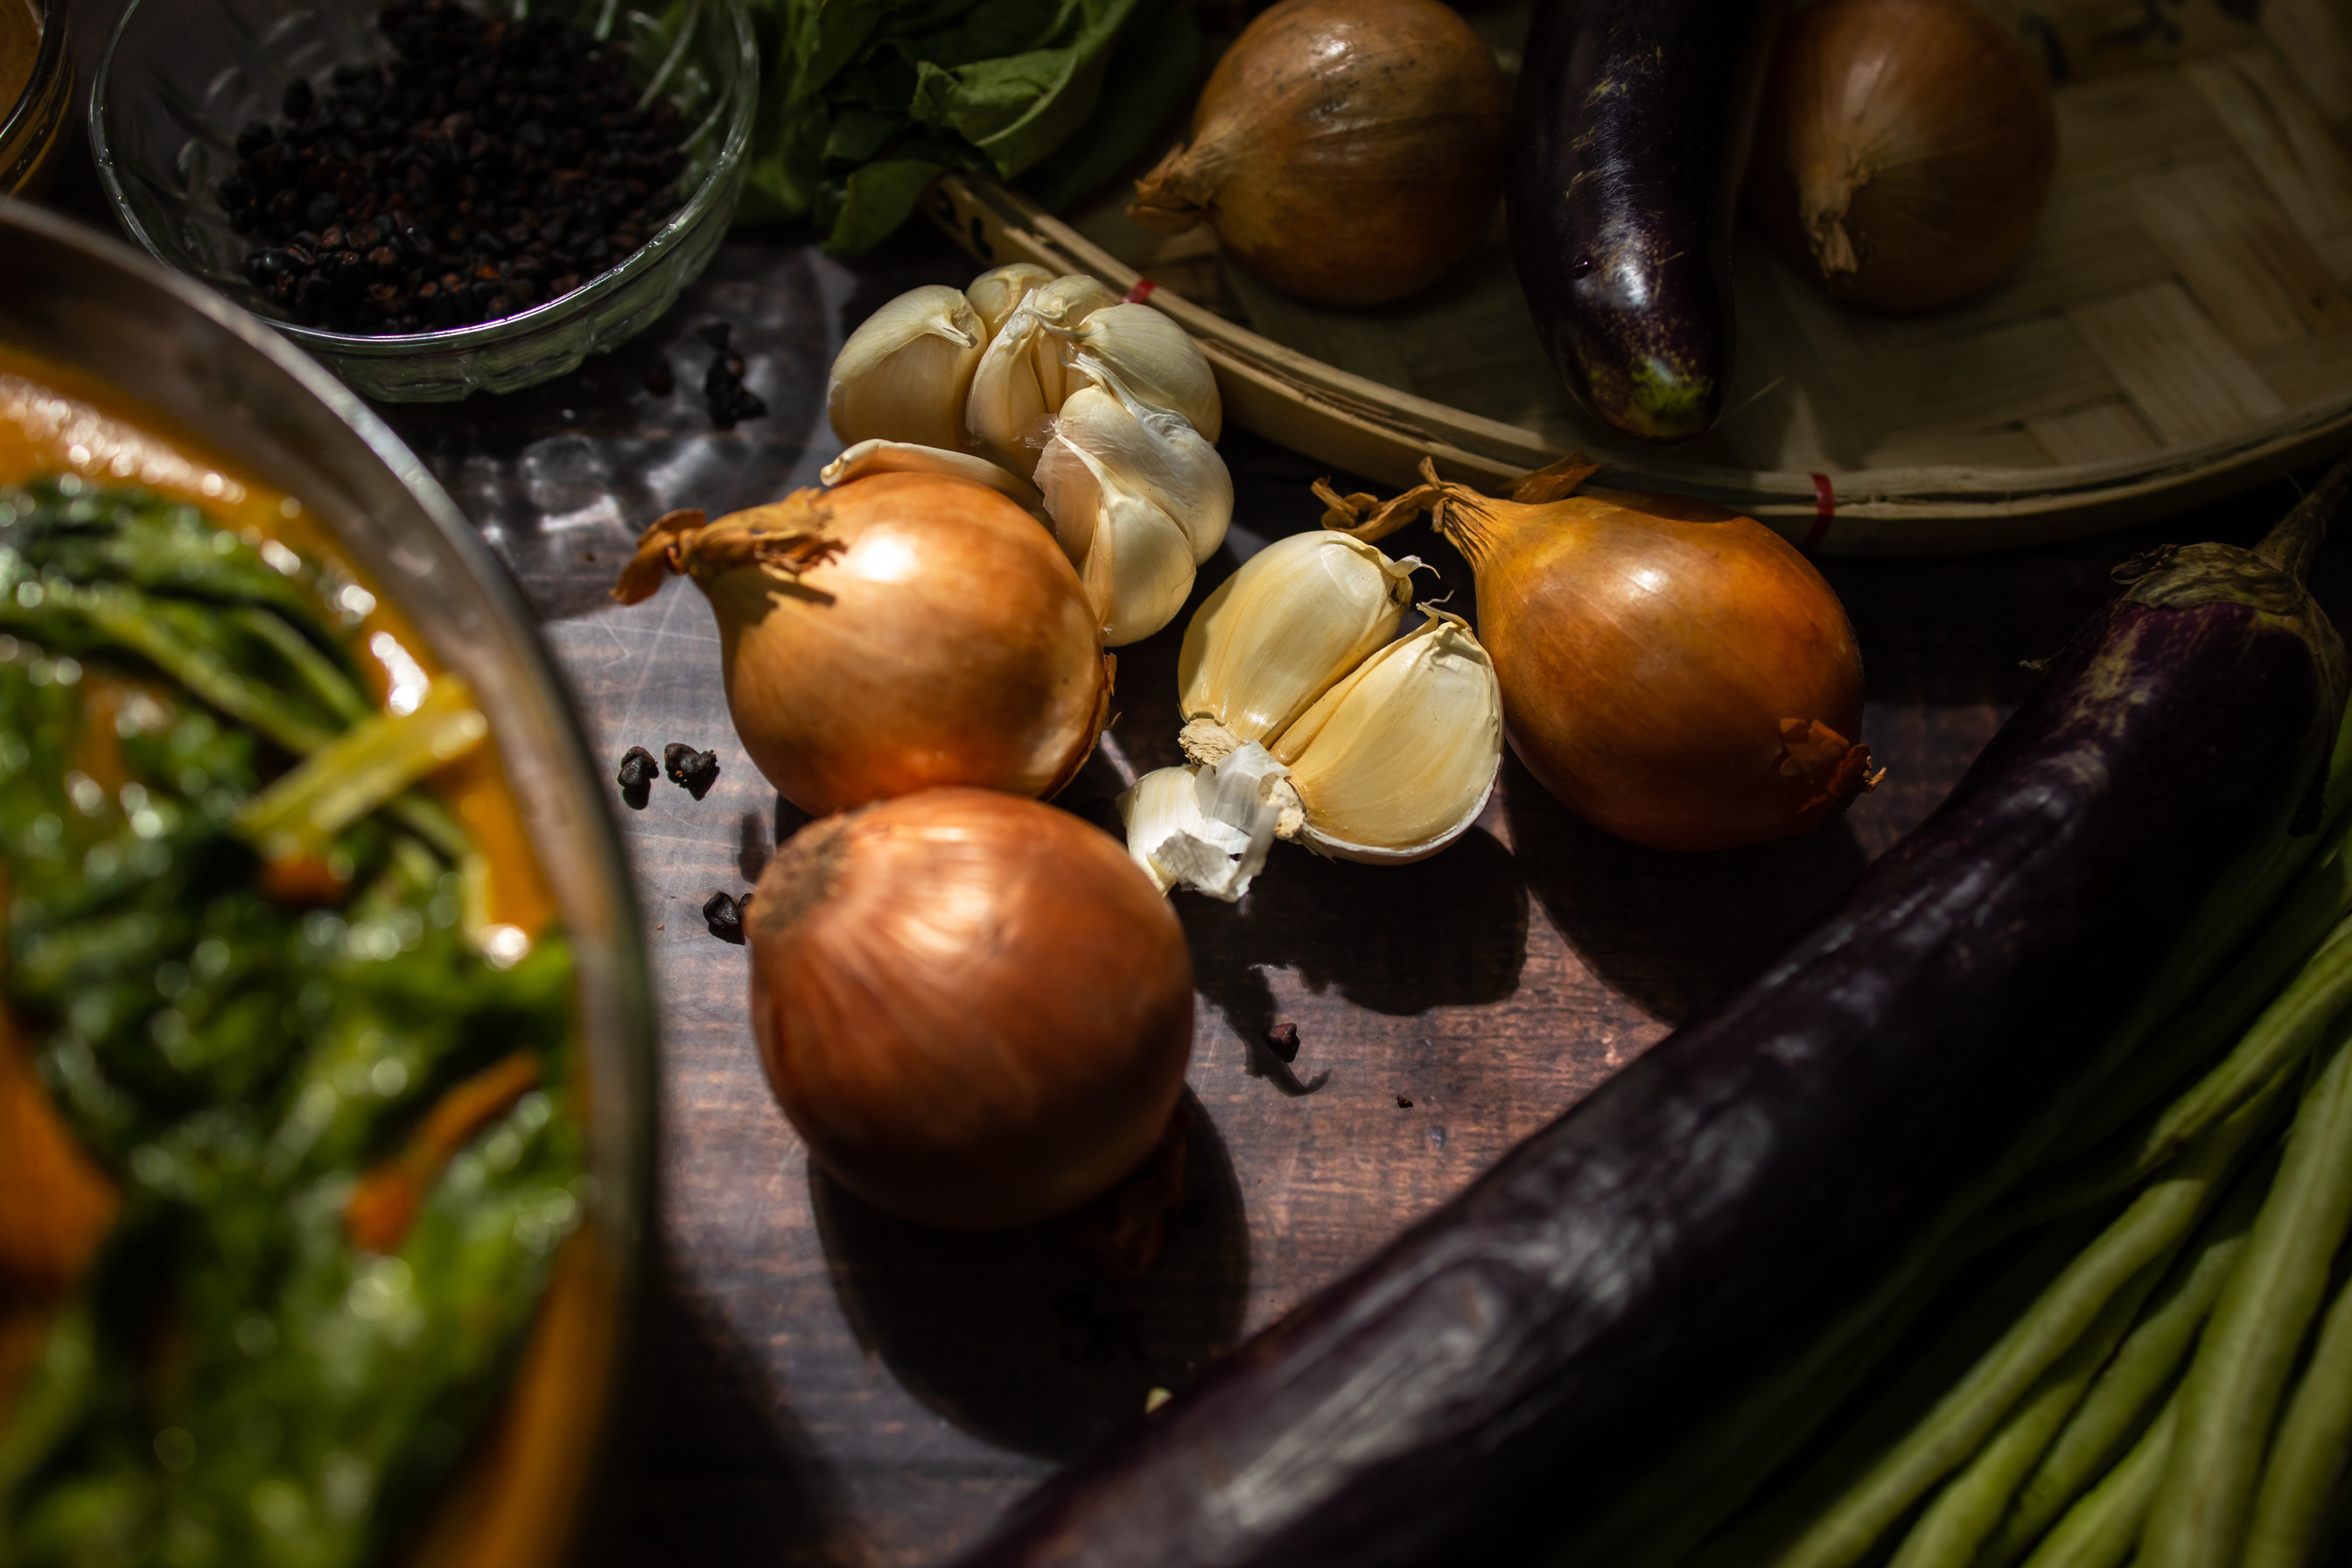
<point>724,916</point>
<point>693,771</point>
<point>493,165</point>
<point>637,774</point>
<point>1404,1102</point>
<point>1123,1230</point>
<point>723,391</point>
<point>1283,1041</point>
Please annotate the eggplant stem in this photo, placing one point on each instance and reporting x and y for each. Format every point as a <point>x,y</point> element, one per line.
<point>2296,539</point>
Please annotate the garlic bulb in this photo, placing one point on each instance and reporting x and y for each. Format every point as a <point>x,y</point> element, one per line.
<point>1396,762</point>
<point>1377,748</point>
<point>1111,407</point>
<point>995,293</point>
<point>1279,632</point>
<point>902,375</point>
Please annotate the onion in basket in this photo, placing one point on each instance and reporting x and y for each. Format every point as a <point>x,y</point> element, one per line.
<point>975,1009</point>
<point>1345,151</point>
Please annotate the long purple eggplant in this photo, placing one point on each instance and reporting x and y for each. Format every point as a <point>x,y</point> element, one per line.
<point>1510,1367</point>
<point>1629,138</point>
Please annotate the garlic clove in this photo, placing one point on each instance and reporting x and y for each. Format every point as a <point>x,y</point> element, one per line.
<point>996,292</point>
<point>1154,358</point>
<point>1007,406</point>
<point>1153,453</point>
<point>1062,306</point>
<point>1281,631</point>
<point>905,458</point>
<point>903,373</point>
<point>1396,762</point>
<point>1206,828</point>
<point>1134,558</point>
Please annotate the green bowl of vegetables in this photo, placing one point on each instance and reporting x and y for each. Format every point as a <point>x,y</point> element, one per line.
<point>326,1101</point>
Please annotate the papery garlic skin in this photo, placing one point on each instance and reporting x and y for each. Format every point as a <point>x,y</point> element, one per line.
<point>1154,358</point>
<point>1156,453</point>
<point>1206,828</point>
<point>877,456</point>
<point>1135,559</point>
<point>995,293</point>
<point>1395,762</point>
<point>904,373</point>
<point>1280,632</point>
<point>1021,381</point>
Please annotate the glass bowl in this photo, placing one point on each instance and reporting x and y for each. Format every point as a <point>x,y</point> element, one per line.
<point>32,127</point>
<point>181,78</point>
<point>92,306</point>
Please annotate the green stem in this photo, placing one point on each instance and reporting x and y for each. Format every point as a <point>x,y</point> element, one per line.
<point>2144,1234</point>
<point>326,679</point>
<point>2230,1396</point>
<point>2307,1457</point>
<point>2099,1530</point>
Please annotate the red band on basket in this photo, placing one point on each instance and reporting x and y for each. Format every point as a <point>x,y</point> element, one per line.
<point>1824,509</point>
<point>1139,293</point>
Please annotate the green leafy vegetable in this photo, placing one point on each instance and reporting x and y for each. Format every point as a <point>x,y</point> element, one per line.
<point>865,103</point>
<point>237,1381</point>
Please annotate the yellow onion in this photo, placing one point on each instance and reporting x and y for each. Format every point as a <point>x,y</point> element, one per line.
<point>1674,673</point>
<point>1345,151</point>
<point>975,1009</point>
<point>1904,150</point>
<point>903,631</point>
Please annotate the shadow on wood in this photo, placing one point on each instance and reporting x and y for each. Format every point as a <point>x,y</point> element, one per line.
<point>1014,1336</point>
<point>721,1471</point>
<point>1447,931</point>
<point>1670,932</point>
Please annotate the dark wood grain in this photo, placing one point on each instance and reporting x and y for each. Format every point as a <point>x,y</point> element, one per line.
<point>818,1384</point>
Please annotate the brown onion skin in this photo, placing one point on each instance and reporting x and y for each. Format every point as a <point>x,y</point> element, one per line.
<point>1949,121</point>
<point>958,648</point>
<point>1682,747</point>
<point>1345,151</point>
<point>975,1009</point>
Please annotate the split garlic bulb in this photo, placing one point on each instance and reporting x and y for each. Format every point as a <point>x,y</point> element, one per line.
<point>903,373</point>
<point>1111,408</point>
<point>1310,719</point>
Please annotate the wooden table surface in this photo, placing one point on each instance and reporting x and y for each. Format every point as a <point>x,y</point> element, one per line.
<point>817,1384</point>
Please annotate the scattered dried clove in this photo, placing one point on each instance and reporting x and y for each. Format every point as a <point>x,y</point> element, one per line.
<point>1404,1102</point>
<point>493,164</point>
<point>637,774</point>
<point>1283,1041</point>
<point>723,391</point>
<point>724,915</point>
<point>694,771</point>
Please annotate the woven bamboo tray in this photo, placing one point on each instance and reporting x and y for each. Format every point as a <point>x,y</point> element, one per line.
<point>2179,327</point>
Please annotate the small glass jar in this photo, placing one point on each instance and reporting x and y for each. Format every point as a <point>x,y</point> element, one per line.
<point>37,79</point>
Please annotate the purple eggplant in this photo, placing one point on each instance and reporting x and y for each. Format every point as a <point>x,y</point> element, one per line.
<point>1516,1366</point>
<point>1630,136</point>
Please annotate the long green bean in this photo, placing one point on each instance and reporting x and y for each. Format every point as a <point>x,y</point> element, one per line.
<point>2100,1531</point>
<point>2142,1369</point>
<point>2147,1232</point>
<point>2307,1457</point>
<point>2230,1396</point>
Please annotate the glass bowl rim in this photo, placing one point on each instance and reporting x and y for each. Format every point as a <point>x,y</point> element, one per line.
<point>45,62</point>
<point>741,113</point>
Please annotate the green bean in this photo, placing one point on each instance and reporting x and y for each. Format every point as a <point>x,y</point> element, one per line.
<point>2142,1369</point>
<point>2307,1457</point>
<point>2100,1531</point>
<point>1968,1507</point>
<point>2147,1233</point>
<point>2232,1392</point>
